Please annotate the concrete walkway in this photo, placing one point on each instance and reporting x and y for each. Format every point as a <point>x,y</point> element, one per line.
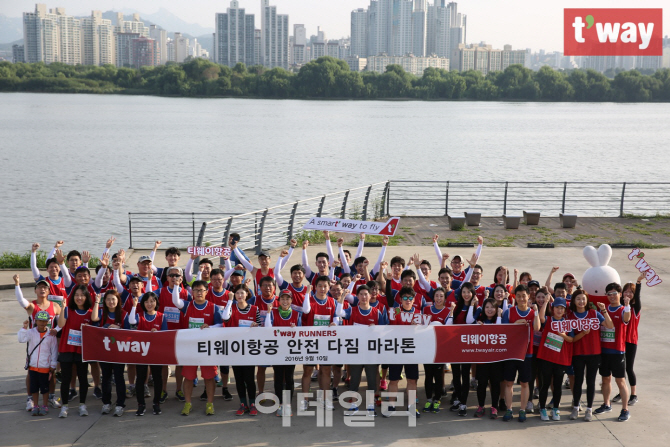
<point>648,425</point>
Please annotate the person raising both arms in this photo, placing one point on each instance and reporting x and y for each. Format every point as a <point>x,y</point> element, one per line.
<point>56,282</point>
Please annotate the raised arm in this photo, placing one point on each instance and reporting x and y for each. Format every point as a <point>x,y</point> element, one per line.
<point>117,281</point>
<point>361,244</point>
<point>60,258</point>
<point>95,312</point>
<point>33,261</point>
<point>329,247</point>
<point>305,261</point>
<point>343,260</point>
<point>547,283</point>
<point>637,306</point>
<point>188,271</point>
<point>104,262</point>
<point>423,282</point>
<point>52,253</point>
<point>382,253</point>
<point>157,244</point>
<point>306,305</point>
<point>178,302</point>
<point>228,310</point>
<point>438,252</point>
<point>278,266</point>
<point>247,265</point>
<point>290,253</point>
<point>19,293</point>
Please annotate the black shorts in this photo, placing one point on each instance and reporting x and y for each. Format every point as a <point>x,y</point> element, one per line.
<point>524,368</point>
<point>411,371</point>
<point>39,382</point>
<point>613,365</point>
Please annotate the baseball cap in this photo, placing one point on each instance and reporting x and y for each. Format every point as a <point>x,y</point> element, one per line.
<point>569,275</point>
<point>237,273</point>
<point>533,283</point>
<point>144,258</point>
<point>457,258</point>
<point>264,253</point>
<point>560,302</point>
<point>42,315</point>
<point>42,282</point>
<point>286,292</point>
<point>169,269</point>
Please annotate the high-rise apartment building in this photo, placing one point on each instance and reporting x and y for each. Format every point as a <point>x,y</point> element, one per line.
<point>124,49</point>
<point>234,36</point>
<point>359,32</point>
<point>18,53</point>
<point>40,35</point>
<point>298,44</point>
<point>181,47</point>
<point>160,36</point>
<point>274,37</point>
<point>401,27</point>
<point>419,17</point>
<point>97,40</point>
<point>485,59</point>
<point>144,52</point>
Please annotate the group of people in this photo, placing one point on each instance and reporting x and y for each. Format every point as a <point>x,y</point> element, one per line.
<point>568,334</point>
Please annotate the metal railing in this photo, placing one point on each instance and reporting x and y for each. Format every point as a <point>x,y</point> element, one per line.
<point>596,199</point>
<point>276,226</point>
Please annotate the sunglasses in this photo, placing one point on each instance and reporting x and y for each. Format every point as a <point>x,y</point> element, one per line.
<point>407,298</point>
<point>176,275</point>
<point>200,290</point>
<point>612,293</point>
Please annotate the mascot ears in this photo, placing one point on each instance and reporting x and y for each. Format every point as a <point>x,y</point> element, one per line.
<point>598,258</point>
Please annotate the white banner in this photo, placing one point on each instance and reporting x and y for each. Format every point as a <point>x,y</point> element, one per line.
<point>352,226</point>
<point>209,251</point>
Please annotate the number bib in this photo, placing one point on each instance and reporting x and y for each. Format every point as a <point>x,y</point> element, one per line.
<point>74,338</point>
<point>321,320</point>
<point>55,299</point>
<point>194,323</point>
<point>244,323</point>
<point>171,314</point>
<point>607,335</point>
<point>553,342</point>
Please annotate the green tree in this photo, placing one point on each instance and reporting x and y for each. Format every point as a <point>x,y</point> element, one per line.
<point>553,85</point>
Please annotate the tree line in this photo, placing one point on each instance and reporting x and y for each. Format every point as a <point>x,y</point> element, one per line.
<point>328,77</point>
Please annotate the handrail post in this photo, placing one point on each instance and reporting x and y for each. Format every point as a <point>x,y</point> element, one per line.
<point>320,211</point>
<point>446,200</point>
<point>130,229</point>
<point>565,188</point>
<point>291,221</point>
<point>623,193</point>
<point>343,211</point>
<point>201,236</point>
<point>193,224</point>
<point>505,201</point>
<point>365,203</point>
<point>384,199</point>
<point>226,236</point>
<point>260,232</point>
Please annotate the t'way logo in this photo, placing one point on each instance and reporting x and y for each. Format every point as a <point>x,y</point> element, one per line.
<point>613,32</point>
<point>127,346</point>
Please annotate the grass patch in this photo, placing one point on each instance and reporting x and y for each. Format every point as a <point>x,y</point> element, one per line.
<point>562,241</point>
<point>639,229</point>
<point>10,260</point>
<point>371,238</point>
<point>411,234</point>
<point>314,237</point>
<point>507,241</point>
<point>658,216</point>
<point>457,240</point>
<point>405,228</point>
<point>584,237</point>
<point>461,227</point>
<point>638,243</point>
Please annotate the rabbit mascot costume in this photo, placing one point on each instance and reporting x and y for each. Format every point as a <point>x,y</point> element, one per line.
<point>600,274</point>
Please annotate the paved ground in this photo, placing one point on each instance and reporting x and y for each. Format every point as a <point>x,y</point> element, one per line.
<point>648,425</point>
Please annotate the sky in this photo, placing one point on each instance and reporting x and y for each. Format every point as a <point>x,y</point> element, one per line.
<point>535,24</point>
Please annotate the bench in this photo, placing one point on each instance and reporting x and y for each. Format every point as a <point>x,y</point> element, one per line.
<point>473,219</point>
<point>568,220</point>
<point>531,217</point>
<point>511,222</point>
<point>456,223</point>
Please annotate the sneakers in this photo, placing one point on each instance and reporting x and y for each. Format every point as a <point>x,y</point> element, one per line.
<point>329,405</point>
<point>603,409</point>
<point>141,409</point>
<point>588,415</point>
<point>97,392</point>
<point>616,399</point>
<point>180,396</point>
<point>456,406</point>
<point>288,411</point>
<point>428,407</point>
<point>389,412</point>
<point>566,384</point>
<point>36,410</point>
<point>479,412</point>
<point>473,383</point>
<point>59,377</point>
<point>209,409</point>
<point>522,416</point>
<point>217,379</point>
<point>187,409</point>
<point>29,404</point>
<point>494,413</point>
<point>315,375</point>
<point>502,406</point>
<point>575,413</point>
<point>436,406</point>
<point>632,400</point>
<point>44,410</point>
<point>226,394</point>
<point>147,393</point>
<point>550,405</point>
<point>335,396</point>
<point>252,410</point>
<point>463,410</point>
<point>556,414</point>
<point>195,382</point>
<point>508,416</point>
<point>130,392</point>
<point>106,408</point>
<point>73,394</point>
<point>203,396</point>
<point>624,416</point>
<point>412,409</point>
<point>303,406</point>
<point>150,380</point>
<point>118,411</point>
<point>529,406</point>
<point>63,411</point>
<point>353,410</point>
<point>240,411</point>
<point>371,411</point>
<point>383,385</point>
<point>280,412</point>
<point>536,393</point>
<point>53,401</point>
<point>543,414</point>
<point>83,411</point>
<point>163,398</point>
<point>157,409</point>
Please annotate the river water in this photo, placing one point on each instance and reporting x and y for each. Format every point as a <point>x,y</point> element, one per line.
<point>75,165</point>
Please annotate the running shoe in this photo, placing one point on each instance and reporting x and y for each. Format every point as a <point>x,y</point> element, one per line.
<point>226,394</point>
<point>389,412</point>
<point>142,409</point>
<point>287,410</point>
<point>456,406</point>
<point>529,406</point>
<point>252,410</point>
<point>97,392</point>
<point>63,411</point>
<point>566,384</point>
<point>624,416</point>
<point>29,404</point>
<point>616,399</point>
<point>413,409</point>
<point>335,396</point>
<point>157,409</point>
<point>473,383</point>
<point>187,409</point>
<point>59,377</point>
<point>543,414</point>
<point>575,413</point>
<point>240,411</point>
<point>209,409</point>
<point>436,406</point>
<point>383,385</point>
<point>203,396</point>
<point>180,396</point>
<point>428,407</point>
<point>494,413</point>
<point>163,398</point>
<point>53,401</point>
<point>195,382</point>
<point>73,394</point>
<point>315,375</point>
<point>106,408</point>
<point>603,409</point>
<point>479,412</point>
<point>371,411</point>
<point>536,393</point>
<point>463,410</point>
<point>280,411</point>
<point>130,392</point>
<point>36,410</point>
<point>550,405</point>
<point>304,405</point>
<point>632,400</point>
<point>44,410</point>
<point>588,415</point>
<point>522,416</point>
<point>556,414</point>
<point>508,416</point>
<point>217,379</point>
<point>352,411</point>
<point>118,411</point>
<point>329,405</point>
<point>83,411</point>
